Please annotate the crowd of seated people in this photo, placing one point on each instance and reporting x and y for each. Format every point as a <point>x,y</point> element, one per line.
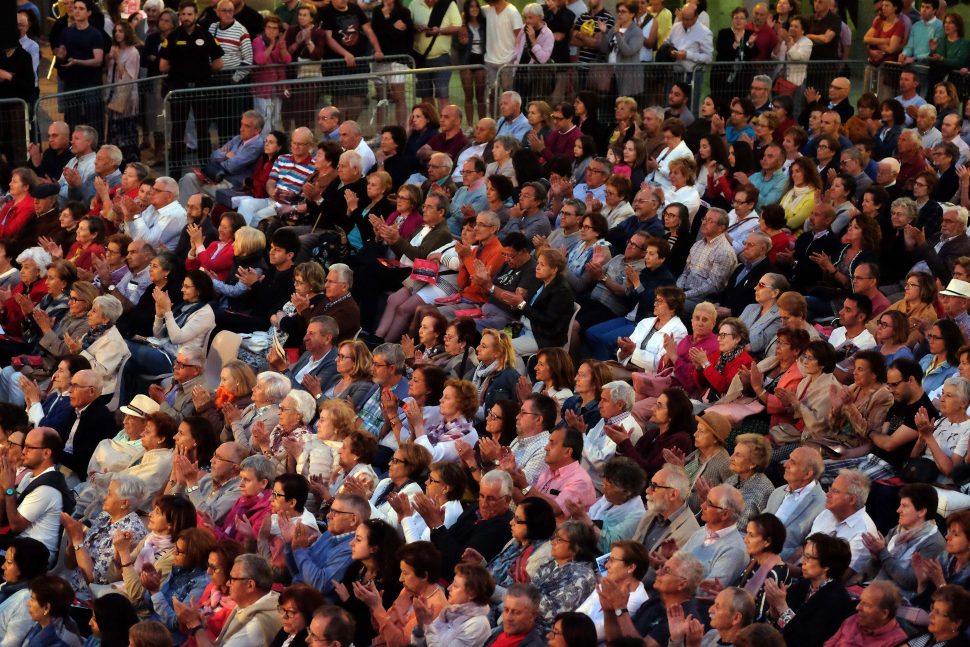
<point>572,380</point>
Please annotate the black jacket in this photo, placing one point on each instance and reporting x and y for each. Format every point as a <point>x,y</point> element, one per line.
<point>806,273</point>
<point>550,312</point>
<point>487,537</point>
<point>97,423</point>
<point>817,619</point>
<point>650,280</point>
<point>209,235</point>
<point>737,296</point>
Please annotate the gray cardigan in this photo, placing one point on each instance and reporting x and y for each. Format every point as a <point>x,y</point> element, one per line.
<point>629,79</point>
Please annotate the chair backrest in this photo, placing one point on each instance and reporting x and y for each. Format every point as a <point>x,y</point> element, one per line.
<point>115,400</point>
<point>573,329</point>
<point>225,347</point>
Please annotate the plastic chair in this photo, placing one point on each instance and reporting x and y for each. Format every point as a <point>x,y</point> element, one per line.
<point>225,348</point>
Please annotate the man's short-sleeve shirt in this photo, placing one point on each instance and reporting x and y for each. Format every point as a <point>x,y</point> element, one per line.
<point>189,57</point>
<point>825,51</point>
<point>80,45</point>
<point>346,27</point>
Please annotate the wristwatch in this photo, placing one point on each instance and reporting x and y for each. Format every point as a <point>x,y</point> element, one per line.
<point>190,490</point>
<point>10,491</point>
<point>526,490</point>
<point>619,612</point>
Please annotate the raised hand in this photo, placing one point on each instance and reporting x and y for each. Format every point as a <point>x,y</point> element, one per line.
<point>401,504</point>
<point>675,456</point>
<point>200,396</point>
<point>341,590</point>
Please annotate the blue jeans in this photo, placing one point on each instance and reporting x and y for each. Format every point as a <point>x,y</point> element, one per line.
<point>10,386</point>
<point>601,338</point>
<point>145,360</point>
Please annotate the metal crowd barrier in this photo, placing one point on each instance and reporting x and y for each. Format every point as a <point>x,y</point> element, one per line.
<point>15,133</point>
<point>293,103</point>
<point>89,106</point>
<point>648,83</point>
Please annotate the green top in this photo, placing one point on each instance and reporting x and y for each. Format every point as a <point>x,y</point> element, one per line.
<point>954,53</point>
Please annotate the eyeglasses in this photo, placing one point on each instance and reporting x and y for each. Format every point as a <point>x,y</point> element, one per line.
<point>224,460</point>
<point>232,579</point>
<point>74,299</point>
<point>862,278</point>
<point>518,522</point>
<point>180,364</point>
<point>556,539</point>
<point>404,197</point>
<point>587,227</point>
<point>397,461</point>
<point>808,358</point>
<point>380,365</point>
<point>724,335</point>
<point>433,480</point>
<point>640,247</point>
<point>27,447</point>
<point>652,485</point>
<point>932,336</point>
<point>72,386</point>
<point>278,495</point>
<point>492,416</point>
<point>334,511</point>
<point>600,171</point>
<point>523,412</point>
<point>708,503</point>
<point>666,570</point>
<point>610,559</point>
<point>811,557</point>
<point>287,613</point>
<point>342,356</point>
<point>762,284</point>
<point>180,551</point>
<point>215,568</point>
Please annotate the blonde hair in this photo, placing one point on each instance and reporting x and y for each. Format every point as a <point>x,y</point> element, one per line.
<point>249,240</point>
<point>243,375</point>
<point>343,418</point>
<point>506,354</point>
<point>362,358</point>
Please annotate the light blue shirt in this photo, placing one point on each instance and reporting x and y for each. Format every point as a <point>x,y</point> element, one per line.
<point>920,35</point>
<point>516,128</point>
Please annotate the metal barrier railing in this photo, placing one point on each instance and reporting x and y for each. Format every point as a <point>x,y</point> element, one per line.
<point>554,82</point>
<point>15,133</point>
<point>190,113</point>
<point>93,106</point>
<point>377,98</point>
<point>368,99</point>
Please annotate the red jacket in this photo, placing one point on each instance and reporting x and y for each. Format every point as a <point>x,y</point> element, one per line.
<point>719,382</point>
<point>13,316</point>
<point>221,265</point>
<point>14,215</point>
<point>83,257</point>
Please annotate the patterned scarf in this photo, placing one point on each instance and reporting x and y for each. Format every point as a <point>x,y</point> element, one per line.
<point>155,545</point>
<point>727,358</point>
<point>94,335</point>
<point>448,430</point>
<point>483,373</point>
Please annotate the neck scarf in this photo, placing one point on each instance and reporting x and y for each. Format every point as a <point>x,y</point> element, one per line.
<point>726,358</point>
<point>94,335</point>
<point>483,373</point>
<point>155,545</point>
<point>223,396</point>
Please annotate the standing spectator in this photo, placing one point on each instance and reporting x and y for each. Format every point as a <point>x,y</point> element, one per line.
<point>394,28</point>
<point>560,20</point>
<point>471,42</point>
<point>79,55</point>
<point>306,43</point>
<point>270,50</point>
<point>154,137</point>
<point>503,22</point>
<point>587,36</point>
<point>533,46</point>
<point>689,46</point>
<point>189,57</point>
<point>345,24</point>
<point>435,22</point>
<point>623,43</point>
<point>824,28</point>
<point>237,58</point>
<point>123,64</point>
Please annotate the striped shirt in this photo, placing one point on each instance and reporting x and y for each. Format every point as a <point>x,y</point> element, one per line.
<point>237,47</point>
<point>289,174</point>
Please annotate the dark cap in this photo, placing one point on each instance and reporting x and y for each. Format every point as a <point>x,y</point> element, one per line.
<point>45,190</point>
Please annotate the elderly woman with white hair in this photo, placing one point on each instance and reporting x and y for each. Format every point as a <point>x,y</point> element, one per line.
<point>296,411</point>
<point>89,550</point>
<point>944,441</point>
<point>533,46</point>
<point>102,345</point>
<point>270,390</point>
<point>33,268</point>
<point>761,317</point>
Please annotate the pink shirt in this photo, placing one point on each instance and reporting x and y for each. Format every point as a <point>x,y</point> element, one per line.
<point>569,483</point>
